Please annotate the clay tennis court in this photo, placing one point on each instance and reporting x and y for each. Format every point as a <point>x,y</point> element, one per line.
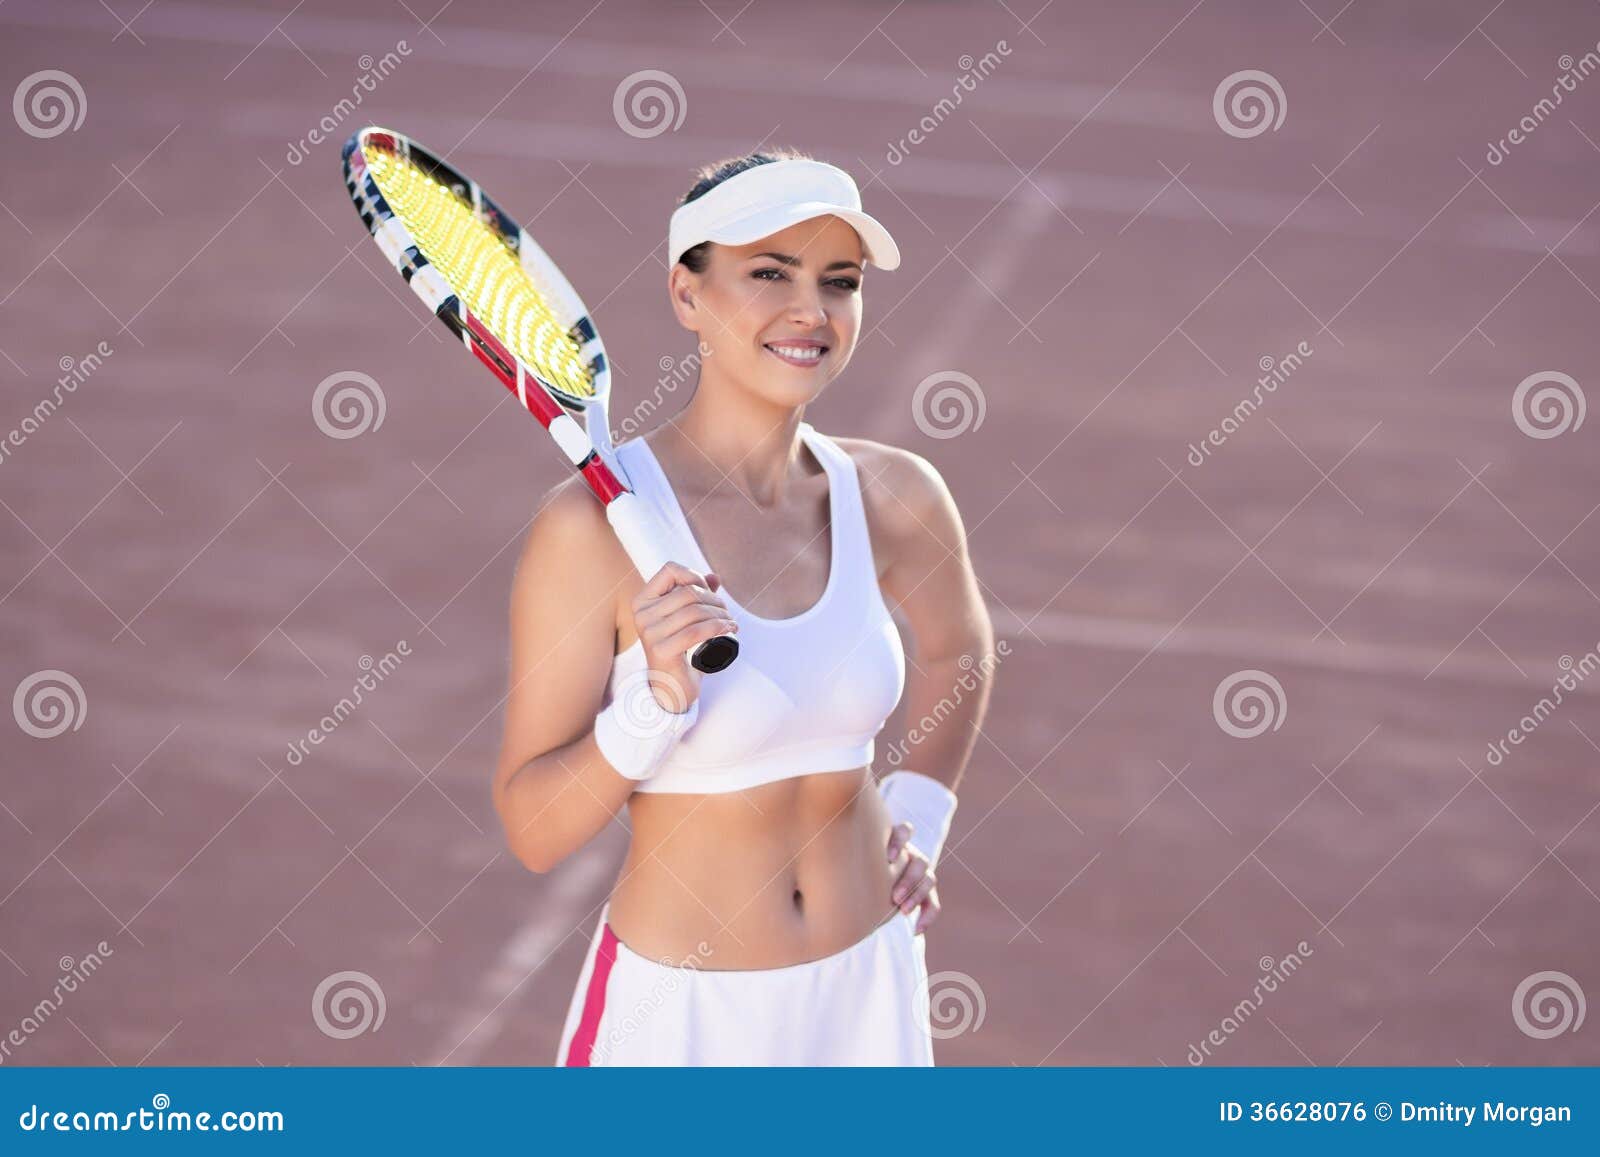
<point>1083,239</point>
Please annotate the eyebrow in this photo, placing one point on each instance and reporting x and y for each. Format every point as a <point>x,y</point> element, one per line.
<point>786,259</point>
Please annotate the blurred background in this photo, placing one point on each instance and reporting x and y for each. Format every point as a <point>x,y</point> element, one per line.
<point>1253,340</point>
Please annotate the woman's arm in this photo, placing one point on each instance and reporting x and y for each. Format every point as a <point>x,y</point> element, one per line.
<point>930,578</point>
<point>561,776</point>
<point>552,788</point>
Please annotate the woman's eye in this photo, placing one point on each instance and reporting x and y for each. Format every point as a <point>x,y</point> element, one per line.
<point>848,285</point>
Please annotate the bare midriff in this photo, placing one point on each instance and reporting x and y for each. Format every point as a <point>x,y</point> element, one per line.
<point>764,877</point>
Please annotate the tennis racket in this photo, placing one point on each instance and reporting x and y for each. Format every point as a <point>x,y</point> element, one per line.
<point>502,295</point>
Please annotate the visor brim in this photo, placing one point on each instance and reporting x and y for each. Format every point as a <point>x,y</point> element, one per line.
<point>877,245</point>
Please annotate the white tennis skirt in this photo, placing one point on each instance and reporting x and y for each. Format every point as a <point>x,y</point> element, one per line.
<point>863,1005</point>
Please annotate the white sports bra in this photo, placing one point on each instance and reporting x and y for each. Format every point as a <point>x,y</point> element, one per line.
<point>808,693</point>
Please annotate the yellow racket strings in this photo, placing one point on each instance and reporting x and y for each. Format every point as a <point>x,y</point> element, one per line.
<point>483,270</point>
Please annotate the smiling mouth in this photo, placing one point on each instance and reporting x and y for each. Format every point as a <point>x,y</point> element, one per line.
<point>803,356</point>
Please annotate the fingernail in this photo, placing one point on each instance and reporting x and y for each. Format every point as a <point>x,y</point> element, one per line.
<point>899,895</point>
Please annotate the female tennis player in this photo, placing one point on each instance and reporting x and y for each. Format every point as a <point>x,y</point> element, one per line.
<point>772,902</point>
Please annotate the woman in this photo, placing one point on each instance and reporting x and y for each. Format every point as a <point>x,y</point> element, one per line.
<point>765,911</point>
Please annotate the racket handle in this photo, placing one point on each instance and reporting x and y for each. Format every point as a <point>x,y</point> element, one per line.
<point>713,655</point>
<point>650,549</point>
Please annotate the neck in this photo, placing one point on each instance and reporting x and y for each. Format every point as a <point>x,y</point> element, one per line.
<point>731,434</point>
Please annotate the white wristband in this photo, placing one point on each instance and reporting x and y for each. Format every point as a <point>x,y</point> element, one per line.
<point>928,804</point>
<point>636,734</point>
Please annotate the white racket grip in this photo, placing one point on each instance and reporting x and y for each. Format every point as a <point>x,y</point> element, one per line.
<point>640,533</point>
<point>650,546</point>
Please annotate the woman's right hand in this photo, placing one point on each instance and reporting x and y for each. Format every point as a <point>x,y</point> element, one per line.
<point>675,612</point>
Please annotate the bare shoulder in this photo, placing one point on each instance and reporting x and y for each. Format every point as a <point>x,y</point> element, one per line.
<point>570,544</point>
<point>900,488</point>
<point>911,516</point>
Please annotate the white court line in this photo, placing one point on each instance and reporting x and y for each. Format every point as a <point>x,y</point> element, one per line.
<point>955,344</point>
<point>567,906</point>
<point>1118,196</point>
<point>1261,648</point>
<point>1076,191</point>
<point>595,58</point>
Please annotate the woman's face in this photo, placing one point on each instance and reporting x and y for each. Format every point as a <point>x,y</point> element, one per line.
<point>781,314</point>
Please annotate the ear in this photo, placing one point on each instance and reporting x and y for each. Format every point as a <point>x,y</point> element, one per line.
<point>683,291</point>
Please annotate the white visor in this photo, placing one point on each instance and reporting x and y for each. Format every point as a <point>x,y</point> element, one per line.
<point>768,198</point>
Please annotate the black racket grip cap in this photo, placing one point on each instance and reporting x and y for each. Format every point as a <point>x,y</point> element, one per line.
<point>715,654</point>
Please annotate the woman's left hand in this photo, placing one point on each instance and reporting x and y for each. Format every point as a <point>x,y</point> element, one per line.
<point>914,883</point>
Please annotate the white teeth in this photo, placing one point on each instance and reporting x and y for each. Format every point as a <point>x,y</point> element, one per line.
<point>799,353</point>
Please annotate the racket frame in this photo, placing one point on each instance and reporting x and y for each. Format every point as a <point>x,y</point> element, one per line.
<point>587,448</point>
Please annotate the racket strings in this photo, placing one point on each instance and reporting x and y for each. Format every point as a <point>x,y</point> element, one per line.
<point>483,270</point>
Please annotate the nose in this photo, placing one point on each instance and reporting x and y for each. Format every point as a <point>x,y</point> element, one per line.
<point>805,307</point>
